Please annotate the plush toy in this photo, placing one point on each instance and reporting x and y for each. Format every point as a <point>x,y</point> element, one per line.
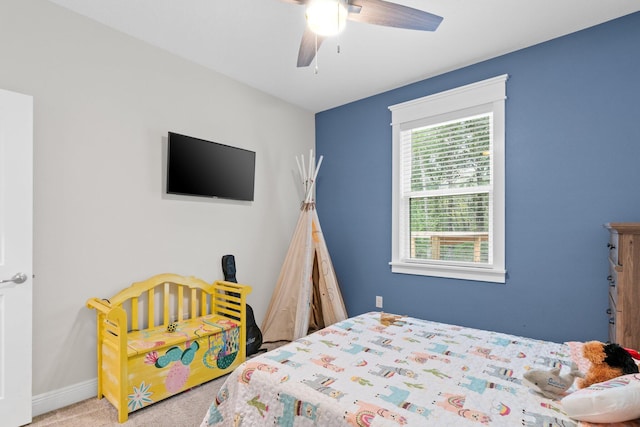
<point>172,327</point>
<point>550,383</point>
<point>633,353</point>
<point>608,361</point>
<point>390,319</point>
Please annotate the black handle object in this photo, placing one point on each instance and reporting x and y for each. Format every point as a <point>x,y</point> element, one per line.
<point>229,268</point>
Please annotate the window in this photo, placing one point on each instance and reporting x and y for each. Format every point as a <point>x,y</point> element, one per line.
<point>448,183</point>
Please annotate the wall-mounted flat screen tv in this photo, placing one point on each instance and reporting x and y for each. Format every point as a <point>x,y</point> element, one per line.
<point>208,169</point>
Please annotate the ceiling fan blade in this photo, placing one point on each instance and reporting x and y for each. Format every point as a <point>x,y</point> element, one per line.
<point>294,1</point>
<point>388,14</point>
<point>308,47</point>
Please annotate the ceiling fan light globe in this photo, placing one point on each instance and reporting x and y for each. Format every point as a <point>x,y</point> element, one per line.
<point>326,17</point>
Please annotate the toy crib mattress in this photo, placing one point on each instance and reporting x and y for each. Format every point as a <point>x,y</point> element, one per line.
<point>414,372</point>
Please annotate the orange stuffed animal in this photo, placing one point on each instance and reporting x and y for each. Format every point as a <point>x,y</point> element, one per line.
<point>390,319</point>
<point>608,361</point>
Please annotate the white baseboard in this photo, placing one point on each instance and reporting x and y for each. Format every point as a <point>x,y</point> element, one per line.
<point>56,399</point>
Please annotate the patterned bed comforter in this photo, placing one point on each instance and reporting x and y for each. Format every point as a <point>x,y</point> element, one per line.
<point>359,372</point>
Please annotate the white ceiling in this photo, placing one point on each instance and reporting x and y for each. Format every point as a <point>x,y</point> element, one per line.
<point>256,41</point>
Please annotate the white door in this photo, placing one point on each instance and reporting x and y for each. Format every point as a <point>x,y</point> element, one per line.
<point>16,232</point>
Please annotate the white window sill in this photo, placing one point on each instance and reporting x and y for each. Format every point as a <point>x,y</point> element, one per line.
<point>481,274</point>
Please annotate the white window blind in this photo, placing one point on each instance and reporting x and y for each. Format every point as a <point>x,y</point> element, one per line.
<point>448,196</point>
<point>446,184</point>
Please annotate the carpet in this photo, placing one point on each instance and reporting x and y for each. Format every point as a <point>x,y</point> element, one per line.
<point>186,409</point>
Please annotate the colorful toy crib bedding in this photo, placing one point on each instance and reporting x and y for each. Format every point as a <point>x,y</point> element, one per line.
<point>359,372</point>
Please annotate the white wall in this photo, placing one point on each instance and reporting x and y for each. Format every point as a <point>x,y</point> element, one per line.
<point>104,103</point>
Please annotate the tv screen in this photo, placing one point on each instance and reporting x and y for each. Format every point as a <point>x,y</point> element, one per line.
<point>204,168</point>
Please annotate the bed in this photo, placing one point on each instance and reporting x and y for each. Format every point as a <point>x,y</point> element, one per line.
<point>360,372</point>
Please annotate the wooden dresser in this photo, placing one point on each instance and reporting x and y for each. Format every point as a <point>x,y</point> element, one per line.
<point>624,283</point>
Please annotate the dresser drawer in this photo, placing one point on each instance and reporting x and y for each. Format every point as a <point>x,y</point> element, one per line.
<point>613,247</point>
<point>611,316</point>
<point>612,281</point>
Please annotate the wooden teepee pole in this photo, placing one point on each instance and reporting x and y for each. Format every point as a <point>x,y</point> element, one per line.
<point>308,175</point>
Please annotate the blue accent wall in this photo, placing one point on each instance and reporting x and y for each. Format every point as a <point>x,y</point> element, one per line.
<point>572,164</point>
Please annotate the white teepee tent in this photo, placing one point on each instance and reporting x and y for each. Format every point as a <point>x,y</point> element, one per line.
<point>307,296</point>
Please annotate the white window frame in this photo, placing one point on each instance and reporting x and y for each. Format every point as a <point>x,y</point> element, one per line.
<point>484,96</point>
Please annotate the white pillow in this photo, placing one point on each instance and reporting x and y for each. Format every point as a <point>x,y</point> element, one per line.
<point>612,401</point>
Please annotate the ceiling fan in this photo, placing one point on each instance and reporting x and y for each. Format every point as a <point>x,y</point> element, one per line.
<point>377,12</point>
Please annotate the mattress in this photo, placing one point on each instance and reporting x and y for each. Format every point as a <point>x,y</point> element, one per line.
<point>360,372</point>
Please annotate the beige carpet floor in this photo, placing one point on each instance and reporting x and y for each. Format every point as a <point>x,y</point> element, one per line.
<point>186,409</point>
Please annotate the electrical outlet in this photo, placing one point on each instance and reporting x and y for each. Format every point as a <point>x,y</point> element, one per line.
<point>378,301</point>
